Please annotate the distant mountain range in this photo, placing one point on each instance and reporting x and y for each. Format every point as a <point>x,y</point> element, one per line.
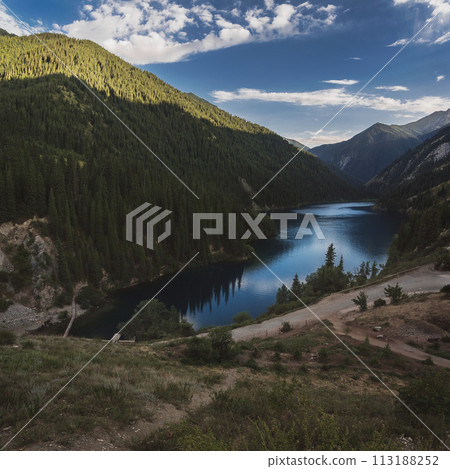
<point>369,152</point>
<point>418,170</point>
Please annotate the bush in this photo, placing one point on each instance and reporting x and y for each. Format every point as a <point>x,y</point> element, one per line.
<point>88,296</point>
<point>155,321</point>
<point>379,302</point>
<point>323,355</point>
<point>199,349</point>
<point>7,337</point>
<point>286,327</point>
<point>242,317</point>
<point>446,289</point>
<point>28,345</point>
<point>428,394</point>
<point>175,393</point>
<point>222,343</point>
<point>63,315</point>
<point>442,260</point>
<point>23,272</point>
<point>4,304</point>
<point>394,293</point>
<point>361,301</point>
<point>186,328</point>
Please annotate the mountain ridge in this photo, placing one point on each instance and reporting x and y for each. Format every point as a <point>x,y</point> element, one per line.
<point>370,151</point>
<point>71,168</point>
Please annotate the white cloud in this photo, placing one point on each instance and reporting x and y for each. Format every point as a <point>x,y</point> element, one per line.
<point>440,78</point>
<point>399,42</point>
<point>162,31</point>
<point>354,58</point>
<point>392,88</point>
<point>437,31</point>
<point>337,97</point>
<point>322,138</point>
<point>442,39</point>
<point>9,23</point>
<point>343,82</point>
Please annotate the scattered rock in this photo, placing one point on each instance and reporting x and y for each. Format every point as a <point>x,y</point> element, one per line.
<point>377,328</point>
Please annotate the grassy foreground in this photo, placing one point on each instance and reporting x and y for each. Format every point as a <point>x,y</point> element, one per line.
<point>299,392</point>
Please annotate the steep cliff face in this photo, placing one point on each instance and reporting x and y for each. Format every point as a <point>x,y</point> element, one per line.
<point>423,167</point>
<point>27,262</point>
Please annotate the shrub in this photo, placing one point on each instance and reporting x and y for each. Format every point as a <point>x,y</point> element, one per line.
<point>200,349</point>
<point>242,317</point>
<point>175,393</point>
<point>63,315</point>
<point>88,296</point>
<point>394,293</point>
<point>186,328</point>
<point>4,304</point>
<point>428,394</point>
<point>23,272</point>
<point>28,345</point>
<point>379,302</point>
<point>7,337</point>
<point>222,343</point>
<point>361,301</point>
<point>446,289</point>
<point>155,321</point>
<point>323,355</point>
<point>442,260</point>
<point>286,327</point>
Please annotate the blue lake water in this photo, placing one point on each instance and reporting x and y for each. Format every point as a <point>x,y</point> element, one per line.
<point>213,295</point>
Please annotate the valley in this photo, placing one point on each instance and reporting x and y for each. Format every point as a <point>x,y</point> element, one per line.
<point>224,358</point>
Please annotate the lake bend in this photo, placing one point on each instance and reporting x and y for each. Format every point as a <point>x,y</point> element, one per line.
<point>213,295</point>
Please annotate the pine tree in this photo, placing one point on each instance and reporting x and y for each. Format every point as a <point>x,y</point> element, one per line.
<point>282,295</point>
<point>330,256</point>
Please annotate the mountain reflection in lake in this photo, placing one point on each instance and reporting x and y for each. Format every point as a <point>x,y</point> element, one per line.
<point>213,295</point>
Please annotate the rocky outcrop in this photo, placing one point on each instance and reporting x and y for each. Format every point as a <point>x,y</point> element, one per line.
<point>32,305</point>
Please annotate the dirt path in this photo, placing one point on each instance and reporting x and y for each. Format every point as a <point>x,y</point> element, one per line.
<point>359,333</point>
<point>423,279</point>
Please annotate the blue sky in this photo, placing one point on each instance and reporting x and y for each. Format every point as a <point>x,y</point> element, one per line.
<point>288,65</point>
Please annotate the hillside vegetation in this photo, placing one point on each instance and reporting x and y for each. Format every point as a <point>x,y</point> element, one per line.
<point>417,184</point>
<point>64,157</point>
<point>169,398</point>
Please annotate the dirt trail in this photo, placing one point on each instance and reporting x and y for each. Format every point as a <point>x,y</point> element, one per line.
<point>422,280</point>
<point>396,345</point>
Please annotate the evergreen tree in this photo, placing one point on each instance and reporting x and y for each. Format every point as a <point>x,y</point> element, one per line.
<point>282,295</point>
<point>330,256</point>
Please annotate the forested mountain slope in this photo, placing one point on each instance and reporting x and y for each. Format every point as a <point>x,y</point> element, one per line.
<point>418,184</point>
<point>428,163</point>
<point>63,155</point>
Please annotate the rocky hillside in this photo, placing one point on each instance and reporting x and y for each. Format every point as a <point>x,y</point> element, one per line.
<point>27,265</point>
<point>429,162</point>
